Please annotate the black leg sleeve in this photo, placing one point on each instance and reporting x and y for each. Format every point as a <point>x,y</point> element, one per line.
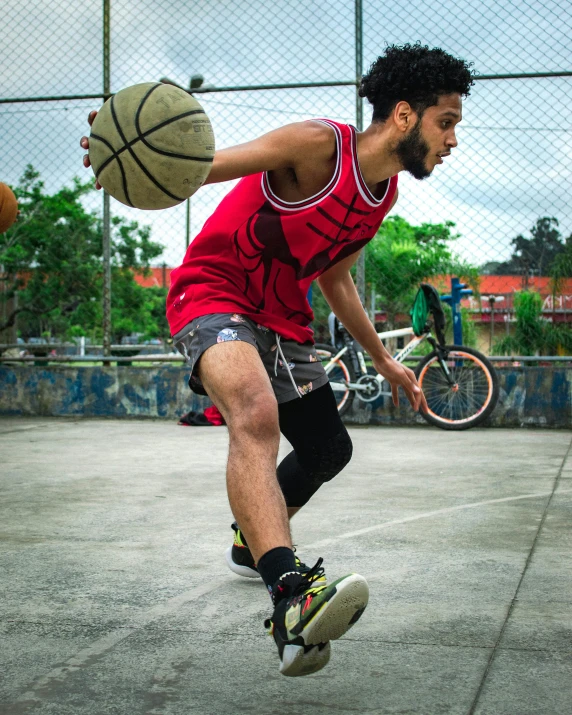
<point>322,445</point>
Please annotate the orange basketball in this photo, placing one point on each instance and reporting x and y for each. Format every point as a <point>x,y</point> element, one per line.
<point>8,207</point>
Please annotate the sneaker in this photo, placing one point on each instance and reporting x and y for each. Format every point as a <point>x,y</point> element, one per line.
<point>308,617</point>
<point>240,559</point>
<point>238,556</point>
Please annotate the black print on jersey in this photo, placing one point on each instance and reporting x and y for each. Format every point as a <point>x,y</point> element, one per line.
<point>263,250</point>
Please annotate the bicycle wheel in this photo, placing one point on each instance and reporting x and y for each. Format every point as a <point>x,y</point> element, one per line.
<point>340,375</point>
<point>472,397</point>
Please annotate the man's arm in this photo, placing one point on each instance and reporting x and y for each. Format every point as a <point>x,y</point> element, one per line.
<point>340,292</point>
<point>338,288</point>
<point>286,148</point>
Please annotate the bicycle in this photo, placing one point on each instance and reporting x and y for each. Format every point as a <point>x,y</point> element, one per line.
<point>460,384</point>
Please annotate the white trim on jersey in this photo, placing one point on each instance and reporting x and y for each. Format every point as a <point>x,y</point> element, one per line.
<point>368,197</point>
<point>279,203</point>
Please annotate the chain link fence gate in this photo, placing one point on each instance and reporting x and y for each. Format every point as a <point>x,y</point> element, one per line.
<point>265,66</point>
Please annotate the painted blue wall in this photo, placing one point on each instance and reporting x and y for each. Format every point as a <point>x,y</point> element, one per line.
<point>538,396</point>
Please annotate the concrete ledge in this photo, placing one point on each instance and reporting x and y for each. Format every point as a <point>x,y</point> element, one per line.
<point>530,396</point>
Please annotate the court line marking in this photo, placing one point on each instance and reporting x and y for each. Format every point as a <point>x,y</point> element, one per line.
<point>427,515</point>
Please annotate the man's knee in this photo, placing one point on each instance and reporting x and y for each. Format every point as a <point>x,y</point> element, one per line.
<point>301,474</point>
<point>255,416</point>
<point>327,459</point>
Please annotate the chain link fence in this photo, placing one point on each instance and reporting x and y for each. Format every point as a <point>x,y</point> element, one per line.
<point>510,176</point>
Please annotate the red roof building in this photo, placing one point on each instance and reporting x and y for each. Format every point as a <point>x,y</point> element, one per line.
<point>503,289</point>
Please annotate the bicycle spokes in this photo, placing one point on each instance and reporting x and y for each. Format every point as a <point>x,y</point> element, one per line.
<point>458,388</point>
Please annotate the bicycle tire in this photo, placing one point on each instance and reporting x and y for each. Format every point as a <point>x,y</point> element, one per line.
<point>343,372</point>
<point>479,385</point>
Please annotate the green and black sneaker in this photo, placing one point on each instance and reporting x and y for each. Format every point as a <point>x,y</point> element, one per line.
<point>307,617</point>
<point>240,559</point>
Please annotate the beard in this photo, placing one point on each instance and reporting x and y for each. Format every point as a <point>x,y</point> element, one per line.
<point>413,151</point>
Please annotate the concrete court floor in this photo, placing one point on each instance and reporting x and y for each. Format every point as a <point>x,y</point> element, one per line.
<point>114,596</point>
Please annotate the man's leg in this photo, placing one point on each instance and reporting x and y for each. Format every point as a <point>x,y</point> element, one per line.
<point>236,380</point>
<point>322,446</point>
<point>306,615</point>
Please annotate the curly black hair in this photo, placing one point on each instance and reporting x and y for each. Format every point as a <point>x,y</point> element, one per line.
<point>415,74</point>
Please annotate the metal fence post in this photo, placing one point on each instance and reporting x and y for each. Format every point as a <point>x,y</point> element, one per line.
<point>106,202</point>
<point>360,266</point>
<point>187,224</point>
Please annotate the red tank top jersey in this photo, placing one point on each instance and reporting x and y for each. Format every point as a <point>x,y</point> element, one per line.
<point>257,254</point>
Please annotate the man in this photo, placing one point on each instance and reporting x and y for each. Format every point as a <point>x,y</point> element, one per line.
<point>311,195</point>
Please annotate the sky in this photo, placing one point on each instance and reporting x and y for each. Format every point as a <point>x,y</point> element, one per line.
<point>513,163</point>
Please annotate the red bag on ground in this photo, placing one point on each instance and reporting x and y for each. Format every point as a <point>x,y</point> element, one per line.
<point>210,417</point>
<point>214,416</point>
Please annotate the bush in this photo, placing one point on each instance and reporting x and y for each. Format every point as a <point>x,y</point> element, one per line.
<point>534,335</point>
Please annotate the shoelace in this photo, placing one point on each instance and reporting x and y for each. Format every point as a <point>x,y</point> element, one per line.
<point>306,580</point>
<point>309,577</point>
<point>305,584</point>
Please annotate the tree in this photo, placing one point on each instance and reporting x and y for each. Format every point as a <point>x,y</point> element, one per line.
<point>52,259</point>
<point>401,256</point>
<point>561,267</point>
<point>534,255</point>
<point>50,256</point>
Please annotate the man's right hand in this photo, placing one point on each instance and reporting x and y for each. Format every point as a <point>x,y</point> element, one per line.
<point>84,143</point>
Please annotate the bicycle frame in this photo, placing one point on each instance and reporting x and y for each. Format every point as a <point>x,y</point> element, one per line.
<point>359,360</point>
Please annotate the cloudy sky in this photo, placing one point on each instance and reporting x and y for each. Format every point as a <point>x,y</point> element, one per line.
<point>513,163</point>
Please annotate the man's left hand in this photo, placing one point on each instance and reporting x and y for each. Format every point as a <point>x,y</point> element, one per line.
<point>398,375</point>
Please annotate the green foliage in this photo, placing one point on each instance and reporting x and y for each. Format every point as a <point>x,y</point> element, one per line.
<point>321,311</point>
<point>533,334</point>
<point>50,255</point>
<point>136,309</point>
<point>398,259</point>
<point>52,258</point>
<point>528,338</point>
<point>401,256</point>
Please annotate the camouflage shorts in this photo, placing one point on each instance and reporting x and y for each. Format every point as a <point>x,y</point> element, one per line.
<point>293,368</point>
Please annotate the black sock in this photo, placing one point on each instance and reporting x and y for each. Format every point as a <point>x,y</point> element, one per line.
<point>274,564</point>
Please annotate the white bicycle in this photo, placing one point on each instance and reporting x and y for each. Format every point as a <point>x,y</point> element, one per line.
<point>460,384</point>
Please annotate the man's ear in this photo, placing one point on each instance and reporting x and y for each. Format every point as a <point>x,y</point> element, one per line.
<point>403,116</point>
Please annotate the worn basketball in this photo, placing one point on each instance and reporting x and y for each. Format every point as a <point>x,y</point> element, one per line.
<point>151,146</point>
<point>8,207</point>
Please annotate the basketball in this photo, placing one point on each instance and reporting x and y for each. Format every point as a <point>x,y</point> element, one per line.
<point>151,146</point>
<point>8,207</point>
